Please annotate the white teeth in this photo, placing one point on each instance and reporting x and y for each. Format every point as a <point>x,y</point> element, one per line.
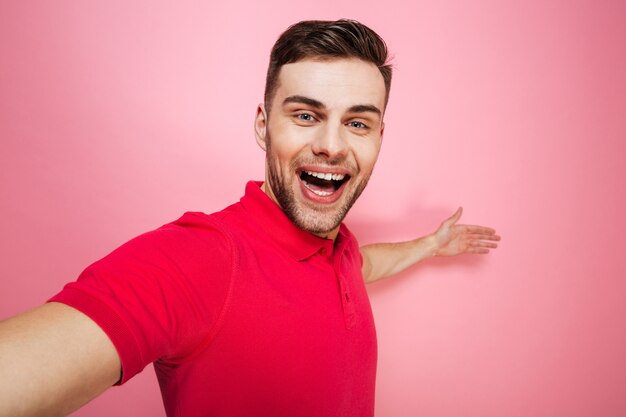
<point>327,176</point>
<point>322,193</point>
<point>318,192</point>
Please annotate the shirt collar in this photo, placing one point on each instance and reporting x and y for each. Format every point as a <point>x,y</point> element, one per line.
<point>298,243</point>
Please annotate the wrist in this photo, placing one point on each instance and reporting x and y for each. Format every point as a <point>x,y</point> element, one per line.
<point>430,245</point>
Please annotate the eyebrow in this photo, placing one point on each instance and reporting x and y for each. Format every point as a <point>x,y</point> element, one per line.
<point>358,108</point>
<point>304,100</point>
<point>363,108</point>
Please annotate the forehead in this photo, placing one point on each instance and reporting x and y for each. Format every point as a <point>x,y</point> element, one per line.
<point>337,83</point>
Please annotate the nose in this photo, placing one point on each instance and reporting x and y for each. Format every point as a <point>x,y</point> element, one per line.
<point>330,143</point>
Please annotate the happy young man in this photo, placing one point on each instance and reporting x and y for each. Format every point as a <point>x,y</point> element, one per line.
<point>259,309</point>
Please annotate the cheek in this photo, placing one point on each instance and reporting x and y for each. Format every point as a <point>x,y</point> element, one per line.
<point>366,154</point>
<point>287,144</point>
<point>281,154</point>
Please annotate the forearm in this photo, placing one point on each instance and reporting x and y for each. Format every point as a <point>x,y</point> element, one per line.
<point>53,359</point>
<point>381,260</point>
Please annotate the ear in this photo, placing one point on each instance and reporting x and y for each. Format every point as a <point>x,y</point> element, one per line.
<point>382,131</point>
<point>260,126</point>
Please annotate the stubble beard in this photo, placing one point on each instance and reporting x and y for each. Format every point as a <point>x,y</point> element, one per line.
<point>313,219</point>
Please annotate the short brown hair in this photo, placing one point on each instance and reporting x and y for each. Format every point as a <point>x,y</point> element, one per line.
<point>326,40</point>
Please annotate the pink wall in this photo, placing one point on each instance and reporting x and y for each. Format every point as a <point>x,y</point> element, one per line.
<point>115,118</point>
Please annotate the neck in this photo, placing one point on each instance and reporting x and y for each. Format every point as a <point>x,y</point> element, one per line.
<point>332,234</point>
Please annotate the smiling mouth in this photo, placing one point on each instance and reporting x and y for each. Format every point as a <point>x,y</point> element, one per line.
<point>323,184</point>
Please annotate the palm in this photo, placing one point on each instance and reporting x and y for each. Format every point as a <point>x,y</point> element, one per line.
<point>455,239</point>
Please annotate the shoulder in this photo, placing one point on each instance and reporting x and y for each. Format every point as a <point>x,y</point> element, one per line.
<point>192,254</point>
<point>193,235</point>
<point>166,288</point>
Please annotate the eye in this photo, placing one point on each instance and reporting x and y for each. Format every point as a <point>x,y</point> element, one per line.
<point>357,125</point>
<point>305,117</point>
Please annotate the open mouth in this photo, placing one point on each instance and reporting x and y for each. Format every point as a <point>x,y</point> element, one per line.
<point>323,184</point>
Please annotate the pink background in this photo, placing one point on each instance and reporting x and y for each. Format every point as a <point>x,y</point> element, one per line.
<point>116,117</point>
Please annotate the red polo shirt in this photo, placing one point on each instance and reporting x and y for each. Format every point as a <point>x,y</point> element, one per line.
<point>242,313</point>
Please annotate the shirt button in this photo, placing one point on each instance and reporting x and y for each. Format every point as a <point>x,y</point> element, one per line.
<point>323,251</point>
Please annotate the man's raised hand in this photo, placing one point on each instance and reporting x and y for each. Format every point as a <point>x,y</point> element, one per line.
<point>455,239</point>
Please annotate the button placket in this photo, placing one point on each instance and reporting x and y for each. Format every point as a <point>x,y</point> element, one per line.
<point>347,303</point>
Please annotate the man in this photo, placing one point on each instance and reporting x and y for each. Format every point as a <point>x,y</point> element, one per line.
<point>259,309</point>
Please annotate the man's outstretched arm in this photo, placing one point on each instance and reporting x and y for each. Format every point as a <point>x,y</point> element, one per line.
<point>53,359</point>
<point>381,260</point>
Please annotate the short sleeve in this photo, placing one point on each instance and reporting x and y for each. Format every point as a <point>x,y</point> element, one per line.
<point>160,295</point>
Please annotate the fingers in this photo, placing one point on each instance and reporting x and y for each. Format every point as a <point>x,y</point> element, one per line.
<point>472,228</point>
<point>481,244</point>
<point>478,251</point>
<point>476,236</point>
<point>479,247</point>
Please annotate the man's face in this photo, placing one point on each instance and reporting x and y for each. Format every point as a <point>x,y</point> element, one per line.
<point>322,139</point>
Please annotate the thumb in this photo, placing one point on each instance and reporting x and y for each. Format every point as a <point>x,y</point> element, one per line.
<point>454,218</point>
